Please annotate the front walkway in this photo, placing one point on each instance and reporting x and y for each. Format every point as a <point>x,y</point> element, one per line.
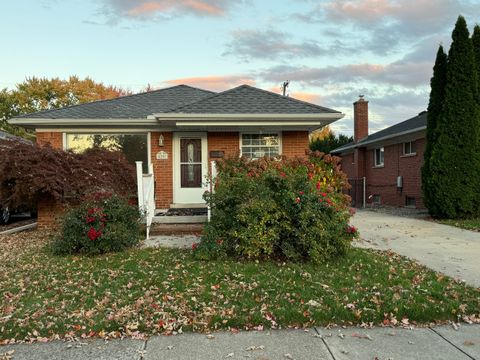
<point>439,343</point>
<point>447,249</point>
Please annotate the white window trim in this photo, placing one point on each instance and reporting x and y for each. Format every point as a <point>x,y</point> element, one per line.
<point>279,133</point>
<point>375,165</point>
<point>410,153</point>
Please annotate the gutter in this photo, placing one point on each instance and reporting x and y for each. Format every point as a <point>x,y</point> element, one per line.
<point>81,122</point>
<point>233,117</point>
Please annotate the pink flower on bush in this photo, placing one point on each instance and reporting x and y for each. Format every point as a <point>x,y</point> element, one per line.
<point>319,185</point>
<point>352,211</point>
<point>90,219</point>
<point>297,200</point>
<point>323,194</point>
<point>194,246</point>
<point>301,193</point>
<point>282,174</point>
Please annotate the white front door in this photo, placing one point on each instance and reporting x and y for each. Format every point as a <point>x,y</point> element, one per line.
<point>190,166</point>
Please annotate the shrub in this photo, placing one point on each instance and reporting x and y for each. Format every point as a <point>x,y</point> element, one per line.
<point>281,209</point>
<point>102,223</point>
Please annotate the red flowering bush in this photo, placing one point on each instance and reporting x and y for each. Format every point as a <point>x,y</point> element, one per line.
<point>102,223</point>
<point>291,209</point>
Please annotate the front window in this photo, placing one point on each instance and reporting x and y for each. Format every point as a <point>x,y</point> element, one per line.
<point>379,156</point>
<point>255,146</point>
<point>133,146</point>
<point>409,148</point>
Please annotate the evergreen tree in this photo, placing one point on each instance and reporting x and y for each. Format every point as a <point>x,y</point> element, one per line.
<point>437,95</point>
<point>455,158</point>
<point>476,50</point>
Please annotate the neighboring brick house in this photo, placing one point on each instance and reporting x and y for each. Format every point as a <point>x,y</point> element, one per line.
<point>390,161</point>
<point>180,129</point>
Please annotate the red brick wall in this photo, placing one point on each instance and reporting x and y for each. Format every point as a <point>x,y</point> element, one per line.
<point>228,142</point>
<point>55,139</point>
<point>383,180</point>
<point>47,209</point>
<point>163,170</point>
<point>294,143</point>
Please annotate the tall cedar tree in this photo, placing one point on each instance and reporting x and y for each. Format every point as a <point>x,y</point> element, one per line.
<point>476,50</point>
<point>455,160</point>
<point>437,96</point>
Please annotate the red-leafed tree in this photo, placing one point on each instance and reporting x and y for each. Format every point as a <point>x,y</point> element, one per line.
<point>29,172</point>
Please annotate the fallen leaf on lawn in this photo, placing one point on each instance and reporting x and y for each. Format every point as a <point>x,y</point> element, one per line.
<point>252,348</point>
<point>210,337</point>
<point>313,303</point>
<point>288,356</point>
<point>468,343</point>
<point>230,355</point>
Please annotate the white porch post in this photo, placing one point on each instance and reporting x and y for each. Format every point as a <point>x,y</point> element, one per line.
<point>213,175</point>
<point>141,200</point>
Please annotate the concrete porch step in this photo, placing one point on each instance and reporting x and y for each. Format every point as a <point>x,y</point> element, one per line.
<point>186,219</point>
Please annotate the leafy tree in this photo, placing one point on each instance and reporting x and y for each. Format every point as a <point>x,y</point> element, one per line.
<point>29,172</point>
<point>329,141</point>
<point>37,94</point>
<point>437,96</point>
<point>455,159</point>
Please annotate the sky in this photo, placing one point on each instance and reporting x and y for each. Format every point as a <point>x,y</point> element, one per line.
<point>331,51</point>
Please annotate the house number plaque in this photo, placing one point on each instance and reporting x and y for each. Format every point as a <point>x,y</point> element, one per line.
<point>162,155</point>
<point>217,154</point>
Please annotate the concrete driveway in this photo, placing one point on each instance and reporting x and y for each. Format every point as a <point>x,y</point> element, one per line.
<point>447,249</point>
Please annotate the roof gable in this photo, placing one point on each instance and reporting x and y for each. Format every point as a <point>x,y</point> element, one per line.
<point>416,123</point>
<point>135,106</point>
<point>247,99</point>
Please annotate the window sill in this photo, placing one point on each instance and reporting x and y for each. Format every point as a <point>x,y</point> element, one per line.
<point>408,155</point>
<point>378,166</point>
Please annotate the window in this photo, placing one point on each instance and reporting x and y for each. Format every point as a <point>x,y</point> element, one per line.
<point>134,146</point>
<point>377,199</point>
<point>255,146</point>
<point>410,201</point>
<point>379,156</point>
<point>409,148</point>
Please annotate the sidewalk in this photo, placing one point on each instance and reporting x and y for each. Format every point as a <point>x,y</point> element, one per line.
<point>443,342</point>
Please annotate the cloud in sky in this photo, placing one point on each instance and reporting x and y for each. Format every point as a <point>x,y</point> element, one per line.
<point>150,9</point>
<point>214,83</point>
<point>272,44</point>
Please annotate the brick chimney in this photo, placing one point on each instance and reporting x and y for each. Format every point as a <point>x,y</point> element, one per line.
<point>360,119</point>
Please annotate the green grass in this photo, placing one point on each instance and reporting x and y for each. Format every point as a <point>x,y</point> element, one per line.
<point>160,291</point>
<point>467,224</point>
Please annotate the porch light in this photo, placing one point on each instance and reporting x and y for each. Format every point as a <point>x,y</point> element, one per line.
<point>160,140</point>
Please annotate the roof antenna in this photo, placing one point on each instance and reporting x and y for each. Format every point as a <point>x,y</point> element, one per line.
<point>284,87</point>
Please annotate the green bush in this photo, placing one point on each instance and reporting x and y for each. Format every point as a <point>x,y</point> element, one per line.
<point>102,223</point>
<point>279,209</point>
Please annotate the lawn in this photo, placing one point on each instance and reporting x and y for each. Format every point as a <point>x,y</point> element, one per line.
<point>148,291</point>
<point>467,224</point>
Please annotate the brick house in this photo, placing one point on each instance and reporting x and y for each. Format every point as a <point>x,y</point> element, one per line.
<point>389,161</point>
<point>178,130</point>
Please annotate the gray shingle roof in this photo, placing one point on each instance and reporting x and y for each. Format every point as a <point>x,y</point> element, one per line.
<point>246,99</point>
<point>135,106</point>
<point>416,122</point>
